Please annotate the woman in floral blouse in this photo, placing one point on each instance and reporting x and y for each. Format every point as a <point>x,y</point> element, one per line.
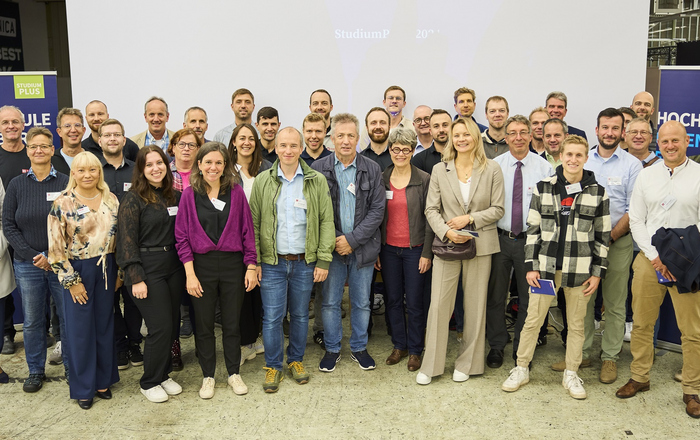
<point>82,225</point>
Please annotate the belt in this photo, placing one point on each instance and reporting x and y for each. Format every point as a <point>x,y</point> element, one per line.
<point>156,249</point>
<point>292,257</point>
<point>510,234</point>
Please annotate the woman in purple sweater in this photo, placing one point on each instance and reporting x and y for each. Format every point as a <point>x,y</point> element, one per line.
<point>215,240</point>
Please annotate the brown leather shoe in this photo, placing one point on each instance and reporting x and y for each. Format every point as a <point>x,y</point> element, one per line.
<point>414,362</point>
<point>692,403</point>
<point>631,388</point>
<point>396,356</point>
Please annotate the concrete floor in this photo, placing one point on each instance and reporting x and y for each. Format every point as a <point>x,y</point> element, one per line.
<point>351,403</point>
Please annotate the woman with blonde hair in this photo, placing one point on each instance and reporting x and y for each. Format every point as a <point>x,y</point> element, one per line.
<point>82,225</point>
<point>466,189</point>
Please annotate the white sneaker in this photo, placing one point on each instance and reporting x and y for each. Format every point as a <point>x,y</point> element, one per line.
<point>628,332</point>
<point>423,379</point>
<point>574,384</point>
<point>248,353</point>
<point>458,376</point>
<point>207,390</point>
<point>56,356</point>
<point>518,376</point>
<point>171,387</point>
<point>259,346</point>
<point>156,394</point>
<point>236,382</point>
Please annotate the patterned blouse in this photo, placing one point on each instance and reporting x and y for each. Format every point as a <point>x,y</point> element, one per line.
<point>76,232</point>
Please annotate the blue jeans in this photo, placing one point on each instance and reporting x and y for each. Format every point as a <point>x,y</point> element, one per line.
<point>36,285</point>
<point>360,285</point>
<point>401,276</point>
<point>286,283</point>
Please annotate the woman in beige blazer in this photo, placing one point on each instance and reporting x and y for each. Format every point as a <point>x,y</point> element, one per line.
<point>7,277</point>
<point>466,188</point>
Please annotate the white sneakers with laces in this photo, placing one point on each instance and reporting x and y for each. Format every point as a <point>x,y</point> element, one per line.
<point>574,384</point>
<point>518,376</point>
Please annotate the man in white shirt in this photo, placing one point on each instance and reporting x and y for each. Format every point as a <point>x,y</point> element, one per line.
<point>668,196</point>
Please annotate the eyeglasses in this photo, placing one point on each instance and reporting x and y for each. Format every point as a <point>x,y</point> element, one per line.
<point>405,151</point>
<point>419,120</point>
<point>77,126</point>
<point>522,133</point>
<point>186,145</point>
<point>634,133</point>
<point>114,135</point>
<point>44,147</point>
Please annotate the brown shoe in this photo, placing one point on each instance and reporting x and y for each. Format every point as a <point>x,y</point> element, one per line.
<point>414,362</point>
<point>396,356</point>
<point>608,372</point>
<point>561,366</point>
<point>692,405</point>
<point>631,388</point>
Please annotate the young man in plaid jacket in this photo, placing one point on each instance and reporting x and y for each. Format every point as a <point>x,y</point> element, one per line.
<point>567,242</point>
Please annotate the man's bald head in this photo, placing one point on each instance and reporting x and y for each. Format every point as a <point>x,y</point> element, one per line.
<point>643,105</point>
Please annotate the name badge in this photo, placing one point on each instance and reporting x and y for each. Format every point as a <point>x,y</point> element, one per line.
<point>172,210</point>
<point>218,204</point>
<point>669,201</point>
<point>51,196</point>
<point>351,188</point>
<point>389,195</point>
<point>573,188</point>
<point>127,186</point>
<point>529,190</point>
<point>615,180</point>
<point>83,210</point>
<point>300,203</point>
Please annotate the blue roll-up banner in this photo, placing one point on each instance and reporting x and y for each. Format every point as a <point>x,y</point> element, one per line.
<point>35,94</point>
<point>679,100</point>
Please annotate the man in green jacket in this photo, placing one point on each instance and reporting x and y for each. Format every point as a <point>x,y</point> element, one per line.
<point>295,237</point>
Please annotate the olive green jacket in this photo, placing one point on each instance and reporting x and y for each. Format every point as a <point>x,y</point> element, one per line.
<point>320,228</point>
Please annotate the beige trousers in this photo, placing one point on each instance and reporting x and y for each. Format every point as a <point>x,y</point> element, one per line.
<point>647,296</point>
<point>475,279</point>
<point>576,305</point>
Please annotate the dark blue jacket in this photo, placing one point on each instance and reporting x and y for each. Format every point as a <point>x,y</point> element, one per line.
<point>679,250</point>
<point>370,200</point>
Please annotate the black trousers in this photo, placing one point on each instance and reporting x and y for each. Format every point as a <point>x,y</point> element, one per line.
<point>165,279</point>
<point>511,257</point>
<point>127,327</point>
<point>251,316</point>
<point>221,275</point>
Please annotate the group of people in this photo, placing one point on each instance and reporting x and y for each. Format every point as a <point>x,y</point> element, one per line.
<point>258,220</point>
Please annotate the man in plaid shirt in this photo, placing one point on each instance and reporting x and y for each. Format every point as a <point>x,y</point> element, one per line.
<point>567,243</point>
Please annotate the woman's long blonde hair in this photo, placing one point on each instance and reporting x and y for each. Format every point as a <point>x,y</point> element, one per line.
<point>87,159</point>
<point>449,153</point>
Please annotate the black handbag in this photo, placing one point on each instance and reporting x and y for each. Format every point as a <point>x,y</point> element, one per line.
<point>450,251</point>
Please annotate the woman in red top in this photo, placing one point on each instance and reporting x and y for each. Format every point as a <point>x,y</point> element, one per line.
<point>406,253</point>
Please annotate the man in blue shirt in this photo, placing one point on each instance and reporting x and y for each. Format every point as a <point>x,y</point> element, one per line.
<point>511,236</point>
<point>294,232</point>
<point>359,200</point>
<point>615,170</point>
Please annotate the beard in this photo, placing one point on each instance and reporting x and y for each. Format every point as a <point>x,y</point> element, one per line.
<point>379,138</point>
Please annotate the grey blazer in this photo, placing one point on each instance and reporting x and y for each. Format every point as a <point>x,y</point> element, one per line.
<point>485,202</point>
<point>7,276</point>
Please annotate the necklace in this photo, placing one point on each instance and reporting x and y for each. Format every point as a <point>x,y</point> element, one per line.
<point>87,198</point>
